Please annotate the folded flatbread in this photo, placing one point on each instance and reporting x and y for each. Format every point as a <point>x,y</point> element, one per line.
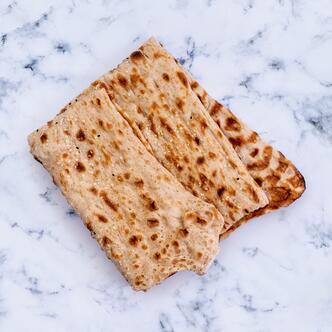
<point>147,223</point>
<point>275,174</point>
<point>154,96</point>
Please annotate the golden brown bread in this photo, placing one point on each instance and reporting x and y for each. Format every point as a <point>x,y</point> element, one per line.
<point>153,94</point>
<point>143,218</point>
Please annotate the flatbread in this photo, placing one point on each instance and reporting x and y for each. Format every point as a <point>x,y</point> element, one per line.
<point>153,95</point>
<point>147,223</point>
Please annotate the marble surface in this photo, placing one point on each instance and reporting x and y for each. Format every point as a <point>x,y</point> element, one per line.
<point>270,62</point>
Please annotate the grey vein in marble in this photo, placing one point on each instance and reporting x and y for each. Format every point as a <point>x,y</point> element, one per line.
<point>270,62</point>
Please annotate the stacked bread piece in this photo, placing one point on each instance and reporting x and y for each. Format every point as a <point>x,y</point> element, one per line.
<point>158,170</point>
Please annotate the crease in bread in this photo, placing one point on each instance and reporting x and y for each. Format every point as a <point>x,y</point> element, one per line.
<point>152,92</point>
<point>141,216</point>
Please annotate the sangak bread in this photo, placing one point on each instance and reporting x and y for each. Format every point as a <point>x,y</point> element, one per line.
<point>153,94</point>
<point>147,223</point>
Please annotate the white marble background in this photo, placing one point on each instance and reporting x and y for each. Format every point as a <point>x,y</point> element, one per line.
<point>271,62</point>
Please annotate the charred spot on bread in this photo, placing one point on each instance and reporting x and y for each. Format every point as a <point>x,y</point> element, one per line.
<point>43,138</point>
<point>80,167</point>
<point>80,135</point>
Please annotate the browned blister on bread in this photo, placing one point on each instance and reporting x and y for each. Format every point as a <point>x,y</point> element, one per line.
<point>147,223</point>
<point>154,95</point>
